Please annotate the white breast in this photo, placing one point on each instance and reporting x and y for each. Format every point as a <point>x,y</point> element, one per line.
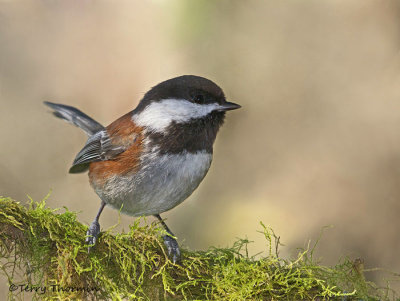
<point>164,182</point>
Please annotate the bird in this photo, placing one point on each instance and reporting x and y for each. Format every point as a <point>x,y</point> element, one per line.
<point>154,157</point>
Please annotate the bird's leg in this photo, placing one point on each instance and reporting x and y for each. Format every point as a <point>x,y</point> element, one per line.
<point>172,245</point>
<point>94,229</point>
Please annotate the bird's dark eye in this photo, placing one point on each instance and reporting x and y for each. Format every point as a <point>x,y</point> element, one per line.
<point>199,98</point>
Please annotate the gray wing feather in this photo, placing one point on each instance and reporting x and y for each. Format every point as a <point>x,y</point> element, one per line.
<point>97,148</point>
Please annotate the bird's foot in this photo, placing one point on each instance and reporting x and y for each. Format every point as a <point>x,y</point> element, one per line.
<point>92,234</point>
<point>173,248</point>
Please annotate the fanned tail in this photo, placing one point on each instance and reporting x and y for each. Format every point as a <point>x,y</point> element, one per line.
<point>76,117</point>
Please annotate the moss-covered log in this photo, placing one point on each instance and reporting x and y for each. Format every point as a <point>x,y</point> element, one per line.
<point>42,250</point>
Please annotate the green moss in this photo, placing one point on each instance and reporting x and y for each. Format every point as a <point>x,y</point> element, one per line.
<point>44,248</point>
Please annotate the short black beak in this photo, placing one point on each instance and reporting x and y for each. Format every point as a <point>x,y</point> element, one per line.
<point>227,106</point>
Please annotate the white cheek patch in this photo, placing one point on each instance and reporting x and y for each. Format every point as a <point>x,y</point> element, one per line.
<point>159,115</point>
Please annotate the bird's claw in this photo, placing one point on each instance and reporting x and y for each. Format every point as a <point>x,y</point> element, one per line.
<point>173,248</point>
<point>92,234</point>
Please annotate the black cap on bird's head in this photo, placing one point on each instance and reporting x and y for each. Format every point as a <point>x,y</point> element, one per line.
<point>192,88</point>
<point>183,113</point>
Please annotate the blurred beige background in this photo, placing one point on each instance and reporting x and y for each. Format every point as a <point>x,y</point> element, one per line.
<point>317,142</point>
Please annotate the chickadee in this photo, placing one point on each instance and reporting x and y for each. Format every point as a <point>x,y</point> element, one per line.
<point>152,158</point>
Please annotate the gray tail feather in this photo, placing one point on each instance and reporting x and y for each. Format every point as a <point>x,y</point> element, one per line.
<point>75,117</point>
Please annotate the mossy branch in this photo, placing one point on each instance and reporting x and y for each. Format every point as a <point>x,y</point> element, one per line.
<point>42,249</point>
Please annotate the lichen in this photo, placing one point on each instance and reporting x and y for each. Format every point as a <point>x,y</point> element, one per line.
<point>43,249</point>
